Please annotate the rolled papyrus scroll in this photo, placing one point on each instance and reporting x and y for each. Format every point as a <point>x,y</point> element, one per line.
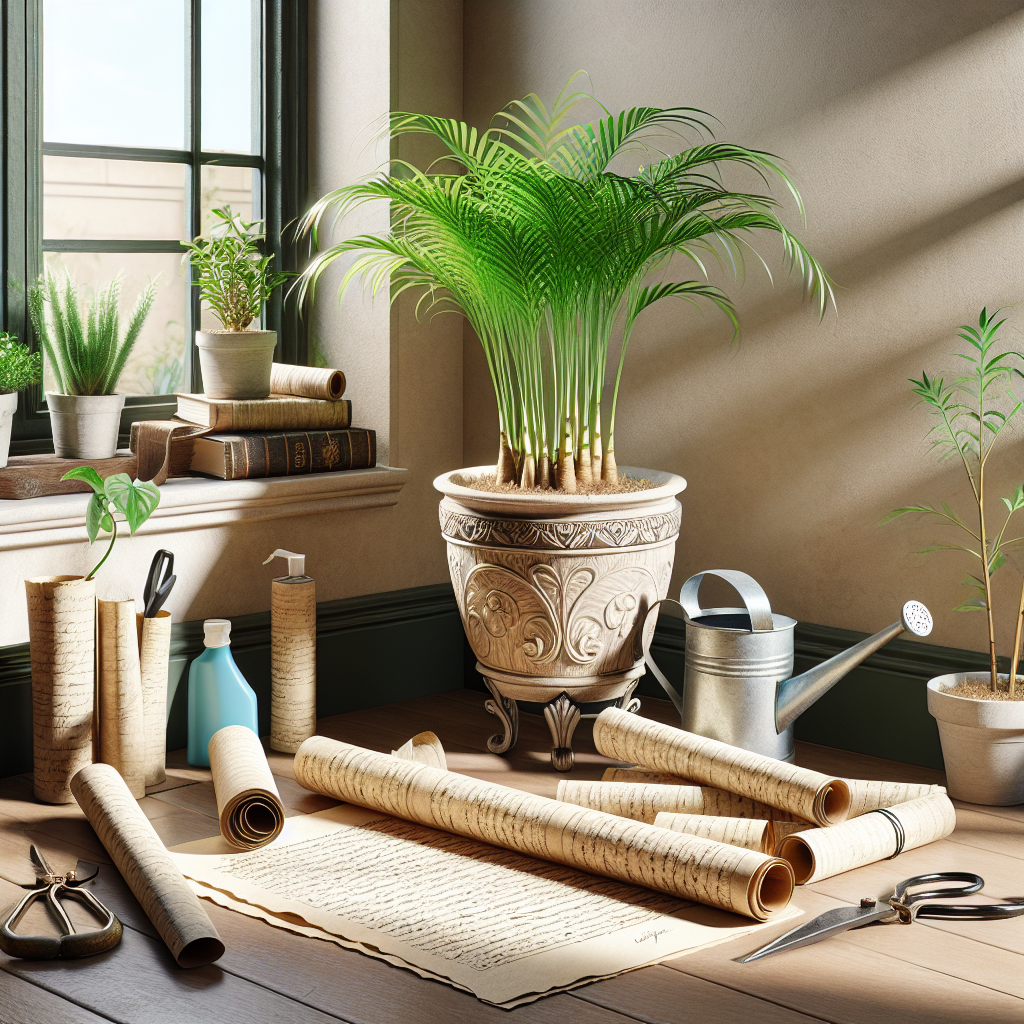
<point>307,381</point>
<point>690,867</point>
<point>62,630</point>
<point>750,833</point>
<point>643,801</point>
<point>152,876</point>
<point>154,657</point>
<point>865,795</point>
<point>424,748</point>
<point>799,791</point>
<point>823,852</point>
<point>292,663</point>
<point>121,716</point>
<point>248,804</point>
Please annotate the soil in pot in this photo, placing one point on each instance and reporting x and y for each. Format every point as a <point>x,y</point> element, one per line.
<point>625,485</point>
<point>982,691</point>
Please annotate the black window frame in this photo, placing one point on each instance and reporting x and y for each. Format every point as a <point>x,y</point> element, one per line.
<point>282,159</point>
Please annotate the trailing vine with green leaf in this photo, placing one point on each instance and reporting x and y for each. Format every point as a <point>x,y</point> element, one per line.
<point>549,253</point>
<point>234,277</point>
<point>969,424</point>
<point>115,494</point>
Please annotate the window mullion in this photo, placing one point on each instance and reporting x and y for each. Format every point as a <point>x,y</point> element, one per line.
<point>194,192</point>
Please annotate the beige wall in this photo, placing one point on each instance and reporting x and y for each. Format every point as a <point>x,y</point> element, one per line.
<point>903,122</point>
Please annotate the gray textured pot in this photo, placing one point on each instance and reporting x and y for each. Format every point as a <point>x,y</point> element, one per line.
<point>85,426</point>
<point>8,403</point>
<point>982,742</point>
<point>236,364</point>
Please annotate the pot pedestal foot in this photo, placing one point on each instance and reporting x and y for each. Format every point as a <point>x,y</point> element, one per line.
<point>562,716</point>
<point>507,712</point>
<point>627,702</point>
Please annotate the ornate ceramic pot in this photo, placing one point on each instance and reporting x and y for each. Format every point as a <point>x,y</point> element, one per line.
<point>554,590</point>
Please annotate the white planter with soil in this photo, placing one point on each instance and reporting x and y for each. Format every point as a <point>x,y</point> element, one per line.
<point>8,405</point>
<point>554,589</point>
<point>85,426</point>
<point>236,364</point>
<point>982,742</point>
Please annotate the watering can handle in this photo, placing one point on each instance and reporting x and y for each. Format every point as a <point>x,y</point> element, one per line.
<point>754,598</point>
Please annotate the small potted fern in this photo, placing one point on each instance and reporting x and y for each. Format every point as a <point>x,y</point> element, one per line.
<point>19,368</point>
<point>235,281</point>
<point>86,354</point>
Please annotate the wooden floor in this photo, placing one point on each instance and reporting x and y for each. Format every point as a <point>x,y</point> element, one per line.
<point>929,972</point>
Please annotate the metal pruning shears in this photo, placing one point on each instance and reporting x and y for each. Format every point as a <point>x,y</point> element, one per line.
<point>52,888</point>
<point>902,906</point>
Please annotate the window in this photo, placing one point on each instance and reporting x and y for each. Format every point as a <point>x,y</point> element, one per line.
<point>128,121</point>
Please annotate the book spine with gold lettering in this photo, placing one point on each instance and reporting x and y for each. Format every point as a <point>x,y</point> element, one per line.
<point>294,453</point>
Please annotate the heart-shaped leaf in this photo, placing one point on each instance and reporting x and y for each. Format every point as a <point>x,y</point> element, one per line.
<point>97,517</point>
<point>135,501</point>
<point>88,474</point>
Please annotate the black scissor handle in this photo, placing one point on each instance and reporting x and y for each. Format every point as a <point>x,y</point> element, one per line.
<point>974,883</point>
<point>159,582</point>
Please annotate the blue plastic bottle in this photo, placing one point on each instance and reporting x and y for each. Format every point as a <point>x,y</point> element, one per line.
<point>218,694</point>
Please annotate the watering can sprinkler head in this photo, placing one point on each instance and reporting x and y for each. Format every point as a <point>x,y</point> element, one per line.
<point>916,618</point>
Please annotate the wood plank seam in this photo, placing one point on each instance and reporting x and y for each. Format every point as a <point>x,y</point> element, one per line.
<point>60,995</point>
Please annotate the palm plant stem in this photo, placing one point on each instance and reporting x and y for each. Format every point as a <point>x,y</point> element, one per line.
<point>982,455</point>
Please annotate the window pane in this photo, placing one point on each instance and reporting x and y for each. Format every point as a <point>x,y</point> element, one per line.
<point>227,186</point>
<point>114,72</point>
<point>156,365</point>
<point>112,199</point>
<point>230,63</point>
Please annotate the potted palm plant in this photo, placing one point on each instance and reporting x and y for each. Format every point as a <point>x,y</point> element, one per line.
<point>86,354</point>
<point>19,368</point>
<point>980,715</point>
<point>235,281</point>
<point>557,553</point>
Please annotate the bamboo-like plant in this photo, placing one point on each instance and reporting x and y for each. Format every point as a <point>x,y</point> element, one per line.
<point>18,367</point>
<point>969,424</point>
<point>548,253</point>
<point>233,275</point>
<point>82,339</point>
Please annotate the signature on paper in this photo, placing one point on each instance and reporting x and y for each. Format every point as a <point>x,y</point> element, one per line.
<point>651,935</point>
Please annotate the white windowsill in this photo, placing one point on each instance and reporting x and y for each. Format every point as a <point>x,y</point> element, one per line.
<point>190,503</point>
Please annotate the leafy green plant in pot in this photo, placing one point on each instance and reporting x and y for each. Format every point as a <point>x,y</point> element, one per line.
<point>235,280</point>
<point>980,715</point>
<point>86,353</point>
<point>551,255</point>
<point>19,369</point>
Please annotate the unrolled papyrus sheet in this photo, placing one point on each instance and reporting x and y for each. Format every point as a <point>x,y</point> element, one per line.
<point>865,794</point>
<point>146,866</point>
<point>154,657</point>
<point>425,748</point>
<point>750,833</point>
<point>62,626</point>
<point>121,717</point>
<point>691,867</point>
<point>307,381</point>
<point>248,804</point>
<point>292,663</point>
<point>822,852</point>
<point>808,795</point>
<point>643,801</point>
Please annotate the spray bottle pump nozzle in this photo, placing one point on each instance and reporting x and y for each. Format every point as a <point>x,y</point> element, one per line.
<point>296,563</point>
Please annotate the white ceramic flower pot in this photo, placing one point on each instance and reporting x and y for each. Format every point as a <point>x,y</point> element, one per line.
<point>982,742</point>
<point>236,364</point>
<point>8,403</point>
<point>85,426</point>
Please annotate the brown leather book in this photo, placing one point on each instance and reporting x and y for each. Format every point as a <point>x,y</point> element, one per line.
<point>278,412</point>
<point>295,453</point>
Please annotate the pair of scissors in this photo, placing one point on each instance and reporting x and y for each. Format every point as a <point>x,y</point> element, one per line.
<point>52,888</point>
<point>158,583</point>
<point>902,906</point>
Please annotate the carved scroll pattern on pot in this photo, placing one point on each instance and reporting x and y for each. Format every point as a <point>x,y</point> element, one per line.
<point>560,536</point>
<point>522,621</point>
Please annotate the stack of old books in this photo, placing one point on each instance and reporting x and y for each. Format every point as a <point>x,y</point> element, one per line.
<point>287,434</point>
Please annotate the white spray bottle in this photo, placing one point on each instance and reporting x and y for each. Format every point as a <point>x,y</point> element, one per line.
<point>292,655</point>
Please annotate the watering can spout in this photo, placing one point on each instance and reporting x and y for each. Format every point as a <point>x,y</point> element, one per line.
<point>796,695</point>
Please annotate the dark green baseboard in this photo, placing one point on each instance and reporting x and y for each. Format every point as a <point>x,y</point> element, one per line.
<point>383,648</point>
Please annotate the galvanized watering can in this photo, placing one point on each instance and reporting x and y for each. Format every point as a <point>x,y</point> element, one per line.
<point>737,686</point>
